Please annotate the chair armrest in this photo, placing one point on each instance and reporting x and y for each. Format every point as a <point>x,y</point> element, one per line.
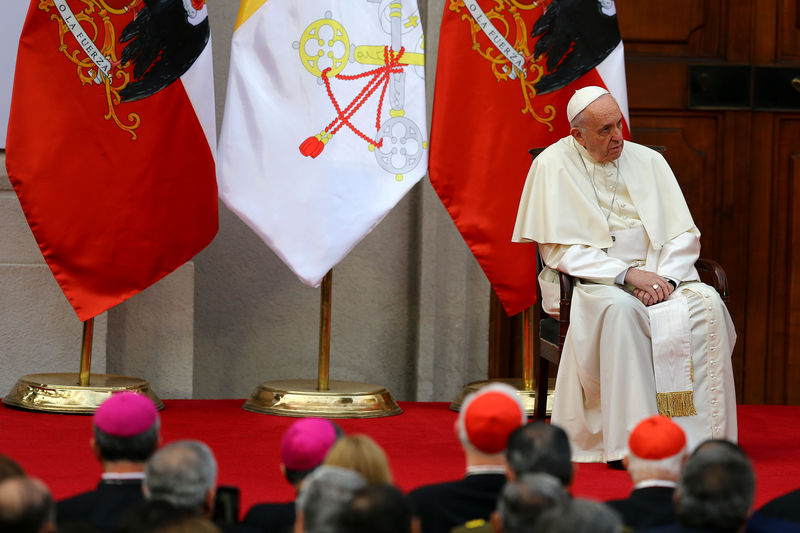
<point>719,280</point>
<point>566,283</point>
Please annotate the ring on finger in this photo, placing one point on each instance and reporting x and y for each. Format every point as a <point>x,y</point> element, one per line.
<point>655,286</point>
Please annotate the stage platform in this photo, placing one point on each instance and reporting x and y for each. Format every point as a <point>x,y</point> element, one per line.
<point>420,443</point>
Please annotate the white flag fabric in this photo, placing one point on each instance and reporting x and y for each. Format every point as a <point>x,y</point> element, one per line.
<point>324,128</point>
<point>12,16</point>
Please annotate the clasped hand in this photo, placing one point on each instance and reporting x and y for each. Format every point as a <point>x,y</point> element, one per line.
<point>650,288</point>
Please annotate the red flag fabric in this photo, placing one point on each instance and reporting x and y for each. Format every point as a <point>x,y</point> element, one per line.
<point>110,142</point>
<point>506,70</point>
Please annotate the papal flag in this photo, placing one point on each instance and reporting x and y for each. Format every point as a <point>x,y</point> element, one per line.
<point>505,72</point>
<point>110,142</point>
<point>324,128</point>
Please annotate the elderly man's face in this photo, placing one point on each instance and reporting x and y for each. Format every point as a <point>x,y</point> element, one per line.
<point>600,131</point>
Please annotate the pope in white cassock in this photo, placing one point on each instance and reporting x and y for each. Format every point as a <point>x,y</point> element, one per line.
<point>645,335</point>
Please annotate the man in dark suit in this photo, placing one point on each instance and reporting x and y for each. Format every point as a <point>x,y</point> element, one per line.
<point>126,433</point>
<point>780,514</point>
<point>184,474</point>
<point>303,448</point>
<point>539,447</point>
<point>486,419</point>
<point>656,455</point>
<point>716,491</point>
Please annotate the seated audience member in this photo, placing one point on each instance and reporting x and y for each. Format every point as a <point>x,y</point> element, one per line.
<point>26,506</point>
<point>362,454</point>
<point>158,516</point>
<point>715,491</point>
<point>487,418</point>
<point>539,447</point>
<point>524,499</point>
<point>378,508</point>
<point>189,524</point>
<point>655,458</point>
<point>303,448</point>
<point>781,514</point>
<point>125,434</point>
<point>9,468</point>
<point>323,498</point>
<point>149,515</point>
<point>578,516</point>
<point>184,473</point>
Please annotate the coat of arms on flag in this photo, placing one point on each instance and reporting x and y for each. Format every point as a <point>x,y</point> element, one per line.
<point>341,86</point>
<point>110,142</point>
<point>523,60</point>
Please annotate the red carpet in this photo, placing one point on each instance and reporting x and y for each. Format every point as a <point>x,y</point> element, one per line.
<point>420,443</point>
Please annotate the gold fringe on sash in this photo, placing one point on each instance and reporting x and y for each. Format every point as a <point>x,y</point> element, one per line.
<point>676,403</point>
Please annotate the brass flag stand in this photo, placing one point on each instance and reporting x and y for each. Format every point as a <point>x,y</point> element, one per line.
<point>524,386</point>
<point>68,392</point>
<point>325,398</point>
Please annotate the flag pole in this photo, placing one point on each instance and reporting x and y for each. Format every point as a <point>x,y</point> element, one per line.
<point>525,386</point>
<point>324,397</point>
<point>86,353</point>
<point>324,362</point>
<point>68,392</point>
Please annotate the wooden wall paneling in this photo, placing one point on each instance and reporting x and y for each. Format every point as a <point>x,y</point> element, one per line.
<point>765,34</point>
<point>785,356</point>
<point>691,143</point>
<point>732,226</point>
<point>656,85</point>
<point>786,133</point>
<point>680,27</point>
<point>793,354</point>
<point>499,339</point>
<point>757,340</point>
<point>741,14</point>
<point>789,31</point>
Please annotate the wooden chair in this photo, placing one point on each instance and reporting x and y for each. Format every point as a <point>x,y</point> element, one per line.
<point>550,334</point>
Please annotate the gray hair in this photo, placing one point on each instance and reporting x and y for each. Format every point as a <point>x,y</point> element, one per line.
<point>181,473</point>
<point>540,447</point>
<point>579,516</point>
<point>522,501</point>
<point>717,487</point>
<point>324,496</point>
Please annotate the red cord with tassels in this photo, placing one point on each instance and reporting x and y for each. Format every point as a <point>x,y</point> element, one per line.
<point>314,145</point>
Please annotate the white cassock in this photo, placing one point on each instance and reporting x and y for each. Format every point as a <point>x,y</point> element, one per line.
<point>623,361</point>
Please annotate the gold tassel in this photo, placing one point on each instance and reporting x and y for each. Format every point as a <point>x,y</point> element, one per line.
<point>676,403</point>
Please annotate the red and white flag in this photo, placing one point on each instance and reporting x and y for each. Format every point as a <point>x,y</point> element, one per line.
<point>110,142</point>
<point>505,73</point>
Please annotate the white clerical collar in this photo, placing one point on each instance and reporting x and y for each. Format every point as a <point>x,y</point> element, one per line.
<point>486,469</point>
<point>655,483</point>
<point>122,475</point>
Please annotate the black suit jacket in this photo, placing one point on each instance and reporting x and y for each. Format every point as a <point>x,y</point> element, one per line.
<point>101,507</point>
<point>271,517</point>
<point>646,508</point>
<point>786,507</point>
<point>442,506</point>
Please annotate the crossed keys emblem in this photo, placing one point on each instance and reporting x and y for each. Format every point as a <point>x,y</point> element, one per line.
<point>325,50</point>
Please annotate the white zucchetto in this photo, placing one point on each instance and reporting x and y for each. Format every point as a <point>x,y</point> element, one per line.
<point>582,98</point>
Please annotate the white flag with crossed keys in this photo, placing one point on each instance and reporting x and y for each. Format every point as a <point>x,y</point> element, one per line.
<point>324,128</point>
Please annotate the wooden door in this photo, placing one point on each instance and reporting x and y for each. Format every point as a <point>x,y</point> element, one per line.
<point>712,82</point>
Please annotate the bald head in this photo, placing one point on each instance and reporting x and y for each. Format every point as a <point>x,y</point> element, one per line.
<point>26,506</point>
<point>598,128</point>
